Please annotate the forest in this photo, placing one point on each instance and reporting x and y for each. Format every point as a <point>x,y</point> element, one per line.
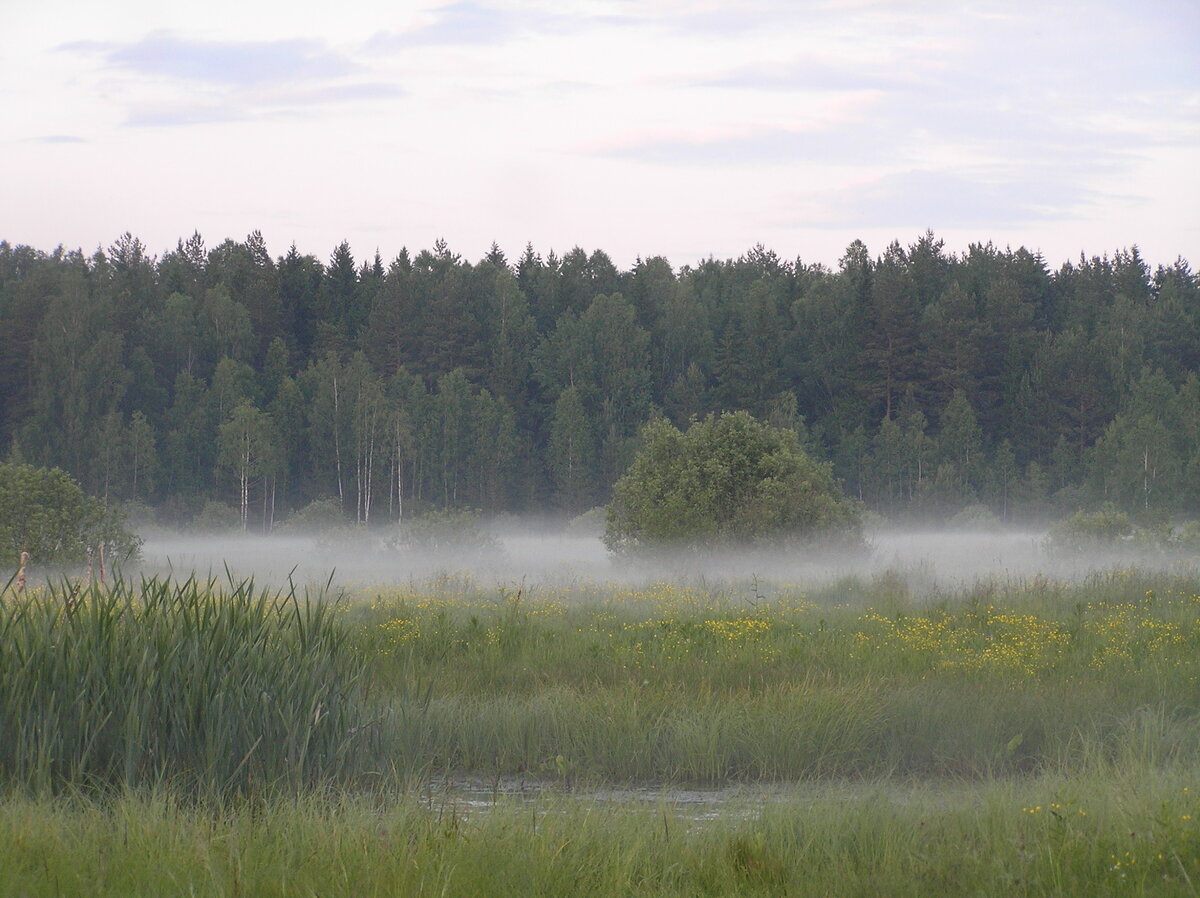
<point>933,382</point>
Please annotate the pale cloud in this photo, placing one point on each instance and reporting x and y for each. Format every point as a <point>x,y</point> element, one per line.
<point>56,139</point>
<point>769,147</point>
<point>259,106</point>
<point>689,19</point>
<point>998,140</point>
<point>458,23</point>
<point>170,115</point>
<point>201,82</point>
<point>722,22</point>
<point>466,23</point>
<point>917,199</point>
<point>801,75</point>
<point>162,54</point>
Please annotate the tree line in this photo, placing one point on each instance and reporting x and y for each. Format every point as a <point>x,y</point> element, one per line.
<point>932,381</point>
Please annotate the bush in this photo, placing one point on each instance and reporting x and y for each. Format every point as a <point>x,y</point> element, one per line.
<point>448,532</point>
<point>977,518</point>
<point>318,516</point>
<point>45,513</point>
<point>590,523</point>
<point>1187,537</point>
<point>1109,528</point>
<point>1091,529</point>
<point>726,479</point>
<point>217,517</point>
<point>139,516</point>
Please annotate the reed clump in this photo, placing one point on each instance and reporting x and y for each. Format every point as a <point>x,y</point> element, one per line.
<point>216,688</point>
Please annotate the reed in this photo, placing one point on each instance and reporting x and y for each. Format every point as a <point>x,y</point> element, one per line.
<point>219,688</point>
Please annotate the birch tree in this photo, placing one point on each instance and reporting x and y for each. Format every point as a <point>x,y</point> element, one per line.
<point>248,450</point>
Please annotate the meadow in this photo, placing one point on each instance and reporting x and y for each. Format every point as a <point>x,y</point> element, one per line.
<point>864,735</point>
<point>861,678</point>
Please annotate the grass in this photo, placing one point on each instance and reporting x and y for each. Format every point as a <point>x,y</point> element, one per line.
<point>1111,833</point>
<point>670,684</point>
<point>1014,738</point>
<point>225,690</point>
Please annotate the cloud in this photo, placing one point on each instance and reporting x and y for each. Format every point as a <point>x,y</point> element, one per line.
<point>944,200</point>
<point>336,93</point>
<point>472,24</point>
<point>721,22</point>
<point>56,138</point>
<point>967,115</point>
<point>469,24</point>
<point>956,149</point>
<point>719,19</point>
<point>176,114</point>
<point>767,147</point>
<point>806,75</point>
<point>460,23</point>
<point>207,82</point>
<point>222,62</point>
<point>265,105</point>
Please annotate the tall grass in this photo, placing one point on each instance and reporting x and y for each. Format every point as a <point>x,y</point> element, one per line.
<point>1117,833</point>
<point>220,688</point>
<point>669,683</point>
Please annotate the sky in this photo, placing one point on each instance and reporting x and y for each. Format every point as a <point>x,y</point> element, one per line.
<point>679,128</point>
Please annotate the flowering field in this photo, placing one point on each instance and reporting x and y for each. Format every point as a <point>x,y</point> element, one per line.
<point>670,683</point>
<point>1038,629</point>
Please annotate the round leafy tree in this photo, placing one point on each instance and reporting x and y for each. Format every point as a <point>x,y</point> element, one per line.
<point>45,513</point>
<point>727,479</point>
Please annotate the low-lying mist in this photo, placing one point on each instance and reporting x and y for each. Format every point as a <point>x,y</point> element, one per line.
<point>535,554</point>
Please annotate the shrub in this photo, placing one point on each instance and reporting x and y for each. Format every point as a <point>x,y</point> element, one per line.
<point>726,479</point>
<point>976,517</point>
<point>217,517</point>
<point>590,523</point>
<point>1087,529</point>
<point>44,512</point>
<point>454,532</point>
<point>318,516</point>
<point>1187,537</point>
<point>139,516</point>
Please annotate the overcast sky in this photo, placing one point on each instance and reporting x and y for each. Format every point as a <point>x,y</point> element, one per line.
<point>683,129</point>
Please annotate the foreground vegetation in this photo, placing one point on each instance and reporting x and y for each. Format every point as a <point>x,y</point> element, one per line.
<point>1106,833</point>
<point>221,690</point>
<point>1024,738</point>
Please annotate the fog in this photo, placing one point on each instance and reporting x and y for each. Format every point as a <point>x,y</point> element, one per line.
<point>534,554</point>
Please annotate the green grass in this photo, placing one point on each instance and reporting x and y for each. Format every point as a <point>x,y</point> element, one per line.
<point>221,689</point>
<point>1111,833</point>
<point>670,684</point>
<point>1023,738</point>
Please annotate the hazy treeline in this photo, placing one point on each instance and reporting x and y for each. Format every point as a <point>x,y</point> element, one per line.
<point>932,381</point>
